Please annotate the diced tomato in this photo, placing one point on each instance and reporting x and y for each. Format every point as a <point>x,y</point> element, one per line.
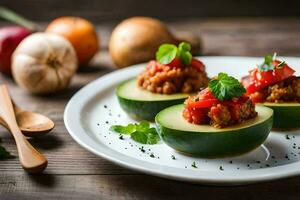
<point>152,66</point>
<point>258,80</point>
<point>207,103</point>
<point>206,100</point>
<point>198,65</point>
<point>175,63</point>
<point>196,115</point>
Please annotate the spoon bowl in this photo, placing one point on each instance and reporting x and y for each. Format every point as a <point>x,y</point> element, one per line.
<point>30,123</point>
<point>33,124</point>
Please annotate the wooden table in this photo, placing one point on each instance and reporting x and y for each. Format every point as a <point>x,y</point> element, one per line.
<point>74,173</point>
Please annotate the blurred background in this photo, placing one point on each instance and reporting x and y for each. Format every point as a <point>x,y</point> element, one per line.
<point>224,27</point>
<point>102,10</point>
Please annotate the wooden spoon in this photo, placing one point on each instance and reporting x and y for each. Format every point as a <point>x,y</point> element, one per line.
<point>30,159</point>
<point>30,123</point>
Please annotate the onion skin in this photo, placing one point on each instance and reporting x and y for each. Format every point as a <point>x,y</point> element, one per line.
<point>136,40</point>
<point>80,33</point>
<point>10,37</point>
<point>44,63</point>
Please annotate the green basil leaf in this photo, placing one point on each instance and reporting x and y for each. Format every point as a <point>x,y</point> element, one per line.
<point>166,53</point>
<point>226,87</point>
<point>184,53</point>
<point>129,129</point>
<point>141,132</point>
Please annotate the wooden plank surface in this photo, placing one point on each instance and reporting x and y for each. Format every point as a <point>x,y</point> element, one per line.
<point>74,173</point>
<point>99,11</point>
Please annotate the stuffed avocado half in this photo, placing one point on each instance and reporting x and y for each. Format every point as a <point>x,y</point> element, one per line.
<point>164,82</point>
<point>274,84</point>
<point>142,104</point>
<point>208,141</point>
<point>219,121</point>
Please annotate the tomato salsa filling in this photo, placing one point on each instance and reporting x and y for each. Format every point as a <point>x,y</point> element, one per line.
<point>173,71</point>
<point>272,81</point>
<point>221,104</point>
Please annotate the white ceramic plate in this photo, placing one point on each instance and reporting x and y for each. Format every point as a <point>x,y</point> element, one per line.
<point>91,111</point>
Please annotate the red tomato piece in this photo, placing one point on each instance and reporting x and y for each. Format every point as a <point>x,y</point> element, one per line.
<point>258,80</point>
<point>198,65</point>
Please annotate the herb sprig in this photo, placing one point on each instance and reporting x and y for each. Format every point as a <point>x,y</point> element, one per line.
<point>226,87</point>
<point>268,65</point>
<point>168,52</point>
<point>141,132</point>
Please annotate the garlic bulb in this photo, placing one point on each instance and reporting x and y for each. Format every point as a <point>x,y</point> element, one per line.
<point>44,63</point>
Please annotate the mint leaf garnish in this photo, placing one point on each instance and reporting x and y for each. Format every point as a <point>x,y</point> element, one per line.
<point>267,65</point>
<point>141,132</point>
<point>184,53</point>
<point>130,128</point>
<point>149,136</point>
<point>226,87</point>
<point>168,52</point>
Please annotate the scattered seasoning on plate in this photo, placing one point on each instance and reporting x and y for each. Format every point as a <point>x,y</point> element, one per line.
<point>194,165</point>
<point>221,168</point>
<point>238,168</point>
<point>152,155</point>
<point>293,136</point>
<point>273,157</point>
<point>119,115</point>
<point>173,157</point>
<point>287,137</point>
<point>248,165</point>
<point>267,165</point>
<point>142,149</point>
<point>287,157</point>
<point>230,161</point>
<point>105,106</point>
<point>98,124</point>
<point>185,166</point>
<point>257,161</point>
<point>121,137</point>
<point>107,122</point>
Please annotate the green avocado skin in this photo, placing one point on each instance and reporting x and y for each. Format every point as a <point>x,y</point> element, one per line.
<point>286,117</point>
<point>216,145</point>
<point>146,110</point>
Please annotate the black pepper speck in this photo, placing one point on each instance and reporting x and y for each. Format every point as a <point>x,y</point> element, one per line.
<point>142,149</point>
<point>194,165</point>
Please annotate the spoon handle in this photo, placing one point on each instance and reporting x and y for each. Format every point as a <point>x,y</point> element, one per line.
<point>31,160</point>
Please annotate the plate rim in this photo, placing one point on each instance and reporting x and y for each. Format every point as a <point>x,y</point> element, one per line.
<point>79,99</point>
